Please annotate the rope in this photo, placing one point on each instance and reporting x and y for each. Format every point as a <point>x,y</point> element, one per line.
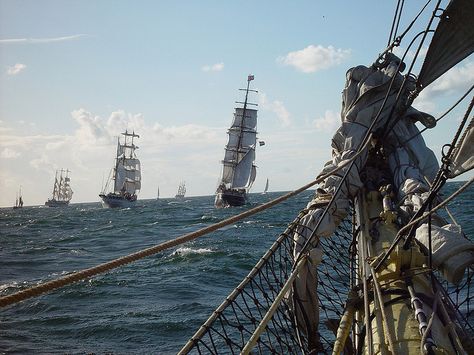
<point>419,219</point>
<point>102,268</point>
<point>268,316</point>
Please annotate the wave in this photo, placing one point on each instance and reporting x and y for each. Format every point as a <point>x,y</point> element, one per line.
<point>184,251</point>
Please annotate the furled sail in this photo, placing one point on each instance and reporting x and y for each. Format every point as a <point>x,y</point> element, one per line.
<point>452,42</point>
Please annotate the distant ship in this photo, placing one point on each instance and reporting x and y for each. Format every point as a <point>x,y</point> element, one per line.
<point>265,190</point>
<point>181,191</point>
<point>158,193</point>
<point>239,170</point>
<point>126,175</point>
<point>62,192</point>
<point>18,200</point>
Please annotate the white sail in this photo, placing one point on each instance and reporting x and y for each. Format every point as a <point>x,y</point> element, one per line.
<point>265,190</point>
<point>243,170</point>
<point>127,172</point>
<point>240,150</point>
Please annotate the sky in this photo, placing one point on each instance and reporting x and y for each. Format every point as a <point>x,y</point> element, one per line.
<point>75,74</point>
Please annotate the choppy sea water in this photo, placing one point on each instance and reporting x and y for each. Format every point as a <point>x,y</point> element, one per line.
<point>151,306</point>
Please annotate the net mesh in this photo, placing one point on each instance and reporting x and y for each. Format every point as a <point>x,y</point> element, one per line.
<point>231,326</point>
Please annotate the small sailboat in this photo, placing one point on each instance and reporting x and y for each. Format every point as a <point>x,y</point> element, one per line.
<point>158,193</point>
<point>265,190</point>
<point>18,200</point>
<point>181,191</point>
<point>239,170</point>
<point>125,176</point>
<point>62,192</point>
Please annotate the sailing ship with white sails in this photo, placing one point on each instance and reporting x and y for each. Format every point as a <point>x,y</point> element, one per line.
<point>18,200</point>
<point>125,179</point>
<point>265,190</point>
<point>181,191</point>
<point>239,170</point>
<point>62,192</point>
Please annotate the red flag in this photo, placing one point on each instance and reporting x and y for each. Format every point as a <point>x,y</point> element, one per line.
<point>250,78</point>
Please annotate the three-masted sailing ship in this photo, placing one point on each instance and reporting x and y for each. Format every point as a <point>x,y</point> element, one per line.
<point>239,170</point>
<point>62,192</point>
<point>181,191</point>
<point>18,200</point>
<point>125,177</point>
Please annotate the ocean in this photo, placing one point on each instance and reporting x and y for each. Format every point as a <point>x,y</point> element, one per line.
<point>151,306</point>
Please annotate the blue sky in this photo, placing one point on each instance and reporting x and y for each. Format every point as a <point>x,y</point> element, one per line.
<point>74,74</point>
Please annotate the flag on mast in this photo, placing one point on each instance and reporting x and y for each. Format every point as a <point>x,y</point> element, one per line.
<point>250,78</point>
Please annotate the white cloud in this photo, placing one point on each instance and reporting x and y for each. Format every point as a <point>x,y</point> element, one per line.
<point>328,123</point>
<point>410,54</point>
<point>277,107</point>
<point>213,67</point>
<point>456,81</point>
<point>17,68</point>
<point>41,40</point>
<point>314,58</point>
<point>8,153</point>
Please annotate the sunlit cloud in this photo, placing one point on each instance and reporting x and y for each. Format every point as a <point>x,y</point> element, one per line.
<point>214,67</point>
<point>456,80</point>
<point>41,40</point>
<point>16,69</point>
<point>410,54</point>
<point>327,123</point>
<point>277,107</point>
<point>314,58</point>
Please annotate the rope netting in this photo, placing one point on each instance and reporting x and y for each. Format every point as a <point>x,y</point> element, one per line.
<point>233,323</point>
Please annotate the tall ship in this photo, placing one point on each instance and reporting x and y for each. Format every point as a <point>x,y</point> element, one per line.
<point>62,192</point>
<point>181,191</point>
<point>239,170</point>
<point>18,200</point>
<point>125,178</point>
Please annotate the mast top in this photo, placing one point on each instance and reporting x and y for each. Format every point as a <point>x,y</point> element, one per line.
<point>126,134</point>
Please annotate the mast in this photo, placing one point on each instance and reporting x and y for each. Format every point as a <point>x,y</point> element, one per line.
<point>20,198</point>
<point>116,164</point>
<point>55,186</point>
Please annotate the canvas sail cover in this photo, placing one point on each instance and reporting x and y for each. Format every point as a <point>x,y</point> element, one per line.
<point>240,149</point>
<point>452,42</point>
<point>410,165</point>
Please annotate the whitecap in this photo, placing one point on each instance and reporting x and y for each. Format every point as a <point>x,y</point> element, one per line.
<point>183,251</point>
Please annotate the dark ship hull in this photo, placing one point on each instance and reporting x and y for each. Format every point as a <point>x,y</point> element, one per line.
<point>112,200</point>
<point>56,203</point>
<point>233,198</point>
